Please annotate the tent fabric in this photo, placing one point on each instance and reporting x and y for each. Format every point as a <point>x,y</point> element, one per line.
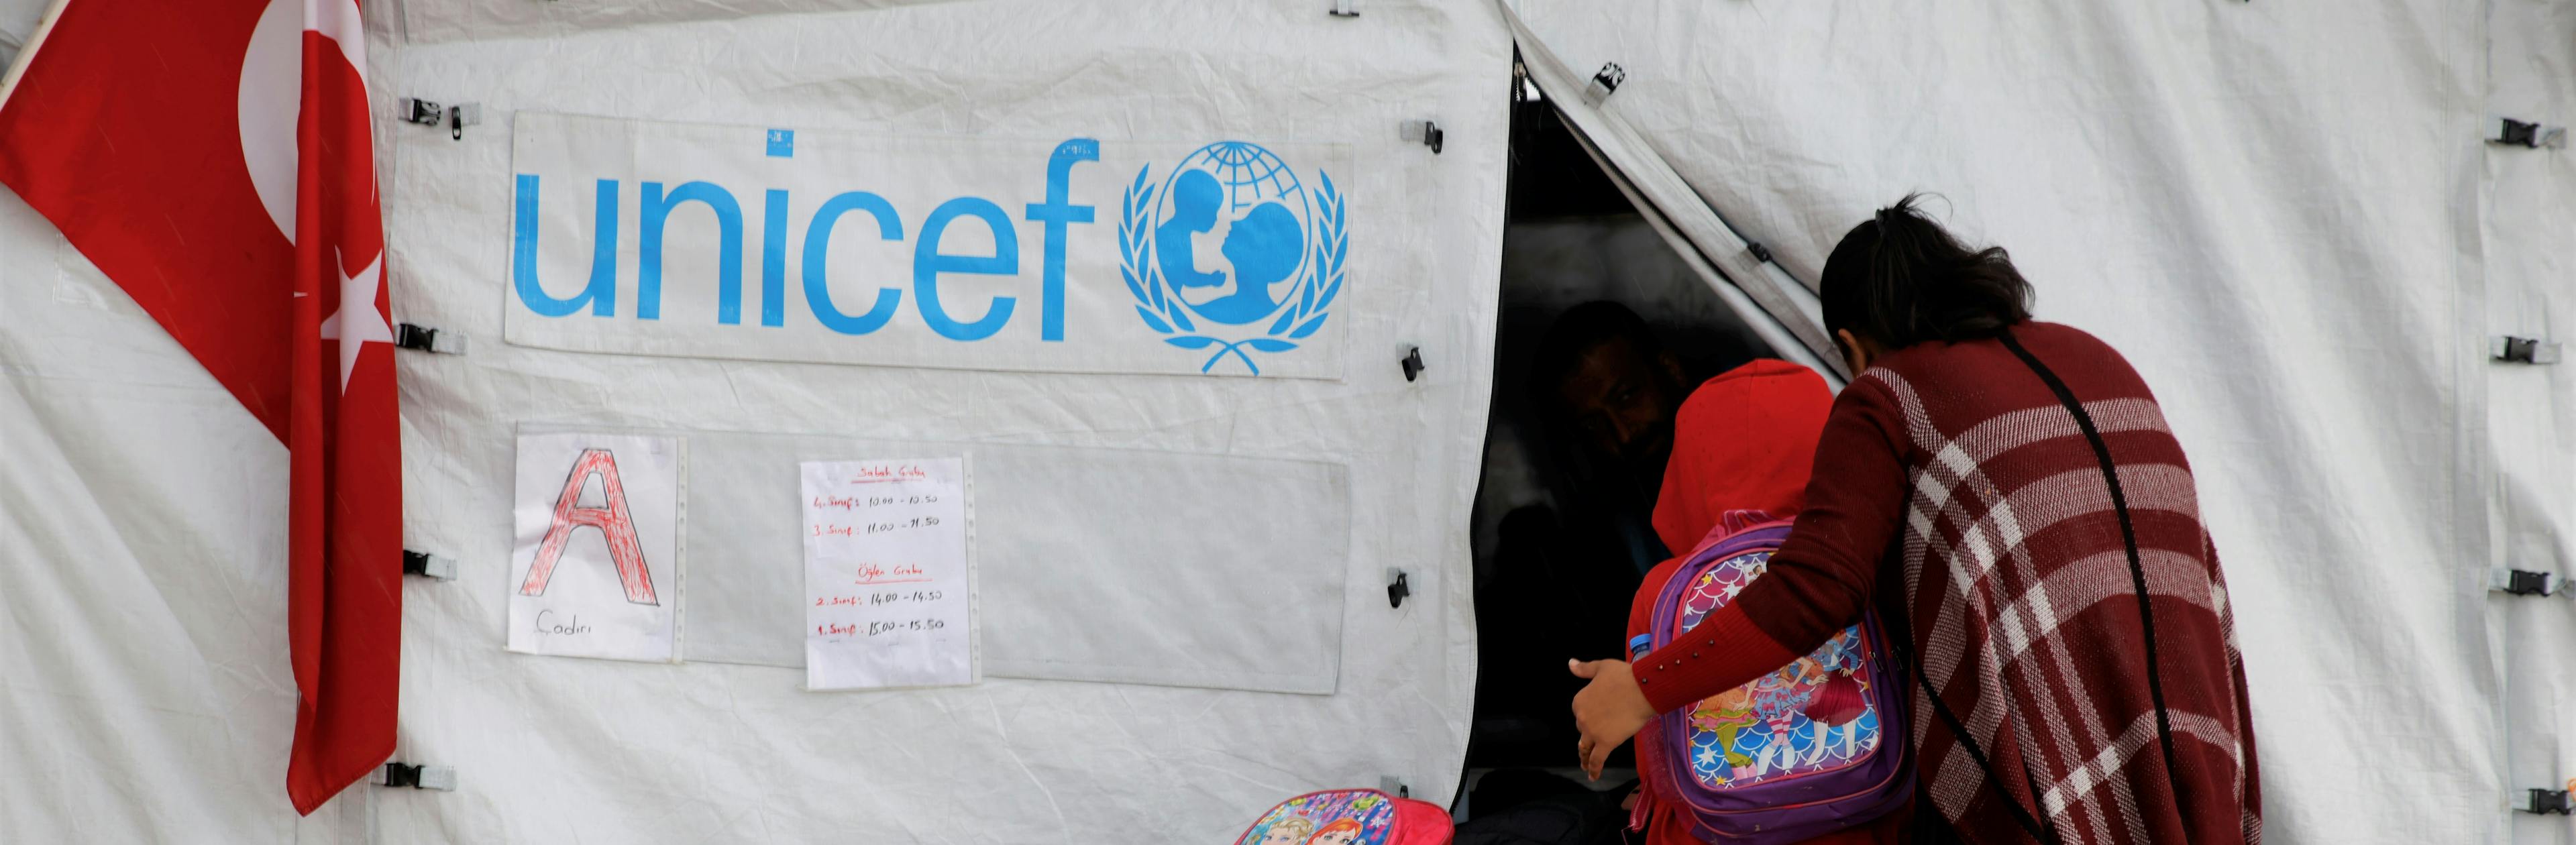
<point>2280,211</point>
<point>146,693</point>
<point>2528,204</point>
<point>1761,295</point>
<point>2285,215</point>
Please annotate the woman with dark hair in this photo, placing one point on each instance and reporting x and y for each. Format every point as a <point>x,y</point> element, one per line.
<point>2007,493</point>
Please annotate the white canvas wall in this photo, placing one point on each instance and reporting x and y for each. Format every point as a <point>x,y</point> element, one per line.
<point>2279,210</point>
<point>2283,214</point>
<point>147,696</point>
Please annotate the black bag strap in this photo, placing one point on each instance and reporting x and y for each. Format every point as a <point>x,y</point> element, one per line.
<point>2128,539</point>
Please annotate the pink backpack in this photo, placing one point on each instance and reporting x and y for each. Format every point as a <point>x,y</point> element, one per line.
<point>1813,748</point>
<point>1349,817</point>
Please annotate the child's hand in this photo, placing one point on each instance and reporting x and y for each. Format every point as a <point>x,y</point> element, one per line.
<point>1608,711</point>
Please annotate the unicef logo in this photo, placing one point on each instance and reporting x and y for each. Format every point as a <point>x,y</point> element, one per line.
<point>1231,240</point>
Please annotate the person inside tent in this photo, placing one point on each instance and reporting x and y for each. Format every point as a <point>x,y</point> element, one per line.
<point>2008,493</point>
<point>1603,381</point>
<point>1603,390</point>
<point>1742,447</point>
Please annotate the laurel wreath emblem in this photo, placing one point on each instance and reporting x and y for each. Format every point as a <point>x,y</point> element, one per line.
<point>1164,312</point>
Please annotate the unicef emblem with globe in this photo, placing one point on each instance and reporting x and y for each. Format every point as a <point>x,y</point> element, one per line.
<point>1231,253</point>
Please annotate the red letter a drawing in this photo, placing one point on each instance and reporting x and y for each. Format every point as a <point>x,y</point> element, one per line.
<point>611,520</point>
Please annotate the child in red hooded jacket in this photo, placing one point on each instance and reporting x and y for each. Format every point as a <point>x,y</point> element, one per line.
<point>1743,441</point>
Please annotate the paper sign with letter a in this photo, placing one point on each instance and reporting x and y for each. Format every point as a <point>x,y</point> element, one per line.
<point>595,571</point>
<point>889,583</point>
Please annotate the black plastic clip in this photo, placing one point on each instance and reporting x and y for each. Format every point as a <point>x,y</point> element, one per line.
<point>423,112</point>
<point>1345,8</point>
<point>425,339</point>
<point>1426,131</point>
<point>1760,253</point>
<point>2523,582</point>
<point>454,117</point>
<point>1397,589</point>
<point>1412,364</point>
<point>1605,82</point>
<point>441,778</point>
<point>2549,801</point>
<point>2515,133</point>
<point>428,565</point>
<point>2523,350</point>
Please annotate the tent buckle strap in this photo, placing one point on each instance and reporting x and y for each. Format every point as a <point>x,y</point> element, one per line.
<point>409,336</point>
<point>2522,582</point>
<point>1345,8</point>
<point>1604,82</point>
<point>2523,350</point>
<point>2515,133</point>
<point>1760,253</point>
<point>455,117</point>
<point>1412,363</point>
<point>1425,131</point>
<point>441,778</point>
<point>1397,588</point>
<point>2544,801</point>
<point>429,565</point>
<point>1393,785</point>
<point>424,112</point>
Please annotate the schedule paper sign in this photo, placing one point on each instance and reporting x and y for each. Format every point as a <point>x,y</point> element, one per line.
<point>890,586</point>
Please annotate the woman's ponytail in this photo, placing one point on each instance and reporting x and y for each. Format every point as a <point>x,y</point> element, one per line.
<point>1900,279</point>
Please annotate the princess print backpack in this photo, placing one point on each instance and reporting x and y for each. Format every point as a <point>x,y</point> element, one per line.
<point>1349,817</point>
<point>1813,748</point>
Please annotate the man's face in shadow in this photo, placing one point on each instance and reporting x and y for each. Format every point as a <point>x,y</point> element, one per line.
<point>1621,400</point>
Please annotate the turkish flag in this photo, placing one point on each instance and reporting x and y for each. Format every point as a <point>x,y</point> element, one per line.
<point>213,158</point>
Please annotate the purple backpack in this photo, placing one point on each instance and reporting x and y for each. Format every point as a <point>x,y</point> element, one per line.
<point>1813,748</point>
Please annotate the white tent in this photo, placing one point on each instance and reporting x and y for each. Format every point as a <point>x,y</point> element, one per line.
<point>2283,213</point>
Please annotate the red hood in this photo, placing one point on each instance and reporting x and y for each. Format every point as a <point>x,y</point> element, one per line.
<point>1744,440</point>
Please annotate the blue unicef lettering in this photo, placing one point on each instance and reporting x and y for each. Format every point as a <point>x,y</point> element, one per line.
<point>931,260</point>
<point>818,245</point>
<point>657,211</point>
<point>601,293</point>
<point>928,262</point>
<point>1055,213</point>
<point>773,258</point>
<point>818,248</point>
<point>1278,252</point>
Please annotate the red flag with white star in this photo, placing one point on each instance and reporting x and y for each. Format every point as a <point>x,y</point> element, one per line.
<point>213,158</point>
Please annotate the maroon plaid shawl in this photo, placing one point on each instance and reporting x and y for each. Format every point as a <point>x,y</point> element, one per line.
<point>2020,508</point>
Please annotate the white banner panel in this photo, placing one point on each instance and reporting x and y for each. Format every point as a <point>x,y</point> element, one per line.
<point>1217,256</point>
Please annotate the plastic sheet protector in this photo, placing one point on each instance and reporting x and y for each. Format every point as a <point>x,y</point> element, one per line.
<point>596,551</point>
<point>889,580</point>
<point>1169,569</point>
